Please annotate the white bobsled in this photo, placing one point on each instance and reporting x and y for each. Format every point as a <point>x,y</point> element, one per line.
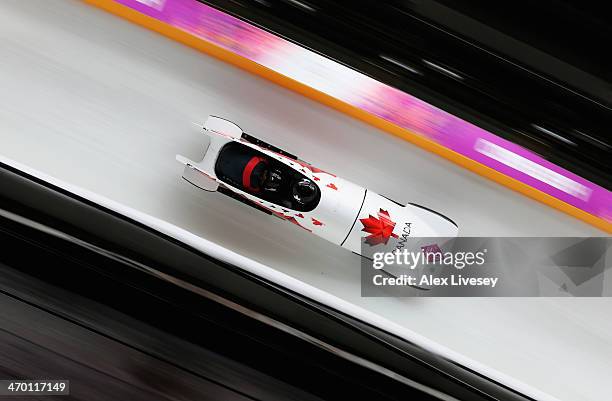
<point>272,180</point>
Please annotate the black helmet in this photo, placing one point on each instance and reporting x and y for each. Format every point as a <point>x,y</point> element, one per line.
<point>272,180</point>
<point>304,191</point>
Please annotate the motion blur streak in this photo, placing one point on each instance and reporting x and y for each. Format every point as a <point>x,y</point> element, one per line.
<point>105,105</point>
<point>49,345</point>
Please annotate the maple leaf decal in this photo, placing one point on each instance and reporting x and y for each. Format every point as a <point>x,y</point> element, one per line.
<point>292,219</point>
<point>312,168</point>
<point>380,229</point>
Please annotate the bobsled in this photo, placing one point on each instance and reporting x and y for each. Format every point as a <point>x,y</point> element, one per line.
<point>278,183</point>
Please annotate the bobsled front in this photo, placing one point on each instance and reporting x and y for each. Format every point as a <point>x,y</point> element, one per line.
<point>384,225</point>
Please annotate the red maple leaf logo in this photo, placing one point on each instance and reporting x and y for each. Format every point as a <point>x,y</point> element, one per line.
<point>292,219</point>
<point>380,229</point>
<point>318,170</point>
<point>312,168</point>
<point>283,216</point>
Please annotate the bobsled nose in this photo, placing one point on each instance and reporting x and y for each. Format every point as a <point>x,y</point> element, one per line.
<point>445,227</point>
<point>433,224</point>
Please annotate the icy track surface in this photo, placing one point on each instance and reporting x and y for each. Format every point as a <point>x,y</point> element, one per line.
<point>105,105</point>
